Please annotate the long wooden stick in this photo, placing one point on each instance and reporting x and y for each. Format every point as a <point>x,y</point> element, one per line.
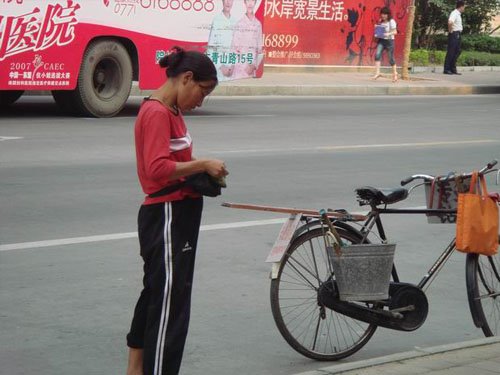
<point>287,210</point>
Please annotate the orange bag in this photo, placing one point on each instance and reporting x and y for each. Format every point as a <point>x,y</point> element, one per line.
<point>477,220</point>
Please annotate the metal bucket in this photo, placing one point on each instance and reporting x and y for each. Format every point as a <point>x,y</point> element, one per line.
<point>363,272</point>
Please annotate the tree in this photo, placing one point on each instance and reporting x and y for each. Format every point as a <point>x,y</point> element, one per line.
<point>478,16</point>
<point>431,18</point>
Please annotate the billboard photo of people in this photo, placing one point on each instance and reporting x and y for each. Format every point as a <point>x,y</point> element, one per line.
<point>235,43</point>
<point>220,39</point>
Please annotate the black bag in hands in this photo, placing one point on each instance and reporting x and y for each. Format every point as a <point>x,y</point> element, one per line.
<point>201,183</point>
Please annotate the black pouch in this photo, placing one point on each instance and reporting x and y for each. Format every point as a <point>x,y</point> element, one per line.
<point>201,183</point>
<point>205,184</point>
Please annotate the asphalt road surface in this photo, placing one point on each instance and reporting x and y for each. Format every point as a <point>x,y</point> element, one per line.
<point>70,271</point>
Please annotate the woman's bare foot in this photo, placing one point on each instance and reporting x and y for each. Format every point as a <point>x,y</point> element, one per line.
<point>395,78</point>
<point>376,76</point>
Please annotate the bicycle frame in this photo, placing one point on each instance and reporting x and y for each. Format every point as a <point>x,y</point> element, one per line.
<point>375,220</point>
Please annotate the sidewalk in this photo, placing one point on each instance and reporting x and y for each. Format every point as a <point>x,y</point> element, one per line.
<point>327,83</point>
<point>477,357</point>
<point>344,81</point>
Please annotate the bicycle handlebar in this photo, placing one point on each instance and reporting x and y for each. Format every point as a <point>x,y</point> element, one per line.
<point>426,177</point>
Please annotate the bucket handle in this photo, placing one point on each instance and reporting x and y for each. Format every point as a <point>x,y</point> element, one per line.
<point>332,233</point>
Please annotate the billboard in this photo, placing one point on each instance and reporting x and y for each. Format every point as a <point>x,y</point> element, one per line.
<point>328,32</point>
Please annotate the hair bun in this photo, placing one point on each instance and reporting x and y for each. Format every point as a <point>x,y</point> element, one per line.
<point>173,58</point>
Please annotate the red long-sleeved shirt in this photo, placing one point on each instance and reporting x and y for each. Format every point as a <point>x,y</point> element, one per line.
<point>161,140</point>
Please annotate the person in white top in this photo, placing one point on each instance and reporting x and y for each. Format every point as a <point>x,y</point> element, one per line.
<point>454,30</point>
<point>220,39</point>
<point>385,31</point>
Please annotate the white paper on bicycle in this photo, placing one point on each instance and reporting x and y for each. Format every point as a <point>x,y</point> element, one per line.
<point>284,238</point>
<point>445,196</point>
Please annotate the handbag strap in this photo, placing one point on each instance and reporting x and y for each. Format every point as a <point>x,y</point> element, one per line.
<point>473,182</point>
<point>431,194</point>
<point>484,190</point>
<point>167,190</point>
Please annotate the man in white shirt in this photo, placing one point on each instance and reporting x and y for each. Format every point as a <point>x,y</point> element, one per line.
<point>220,39</point>
<point>454,30</point>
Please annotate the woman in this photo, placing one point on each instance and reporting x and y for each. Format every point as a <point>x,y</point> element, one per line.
<point>168,225</point>
<point>385,31</point>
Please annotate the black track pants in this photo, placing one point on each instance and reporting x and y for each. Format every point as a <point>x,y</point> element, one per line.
<point>168,234</point>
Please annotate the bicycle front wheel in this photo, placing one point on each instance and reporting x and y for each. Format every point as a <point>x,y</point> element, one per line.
<point>483,290</point>
<point>309,327</point>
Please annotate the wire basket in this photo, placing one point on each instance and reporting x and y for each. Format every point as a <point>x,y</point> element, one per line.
<point>443,194</point>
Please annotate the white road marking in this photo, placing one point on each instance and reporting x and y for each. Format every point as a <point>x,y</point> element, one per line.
<point>121,236</point>
<point>224,116</point>
<point>9,138</point>
<point>361,147</point>
<point>127,235</point>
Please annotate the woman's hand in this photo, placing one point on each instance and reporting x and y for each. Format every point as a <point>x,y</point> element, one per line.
<point>216,168</point>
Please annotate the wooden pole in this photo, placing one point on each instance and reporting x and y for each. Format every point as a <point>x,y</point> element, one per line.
<point>407,46</point>
<point>288,210</point>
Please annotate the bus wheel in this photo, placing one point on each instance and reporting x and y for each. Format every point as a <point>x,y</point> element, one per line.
<point>9,97</point>
<point>104,81</point>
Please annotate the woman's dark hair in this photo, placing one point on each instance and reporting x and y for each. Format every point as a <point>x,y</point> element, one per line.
<point>386,10</point>
<point>179,61</point>
<point>460,4</point>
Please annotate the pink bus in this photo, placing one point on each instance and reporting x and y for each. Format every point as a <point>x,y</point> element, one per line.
<point>88,52</point>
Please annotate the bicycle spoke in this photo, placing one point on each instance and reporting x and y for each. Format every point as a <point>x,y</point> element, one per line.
<point>305,269</point>
<point>488,292</point>
<point>313,347</point>
<point>303,277</point>
<point>314,330</point>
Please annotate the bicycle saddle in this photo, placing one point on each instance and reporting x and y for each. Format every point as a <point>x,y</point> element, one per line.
<point>375,196</point>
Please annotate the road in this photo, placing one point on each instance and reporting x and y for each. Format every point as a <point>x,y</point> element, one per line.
<point>69,266</point>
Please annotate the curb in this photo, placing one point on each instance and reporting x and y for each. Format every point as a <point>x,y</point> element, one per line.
<point>317,90</point>
<point>417,353</point>
<point>354,90</point>
<point>270,68</point>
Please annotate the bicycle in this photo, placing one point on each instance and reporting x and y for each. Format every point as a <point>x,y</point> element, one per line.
<point>304,298</point>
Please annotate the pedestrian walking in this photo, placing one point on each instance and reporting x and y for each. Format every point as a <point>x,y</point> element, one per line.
<point>168,225</point>
<point>455,29</point>
<point>385,31</point>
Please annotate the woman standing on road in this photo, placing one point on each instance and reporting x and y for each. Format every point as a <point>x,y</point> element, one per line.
<point>385,31</point>
<point>168,225</point>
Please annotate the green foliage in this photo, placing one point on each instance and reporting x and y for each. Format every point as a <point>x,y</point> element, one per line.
<point>437,57</point>
<point>479,14</point>
<point>419,57</point>
<point>482,43</point>
<point>478,42</point>
<point>422,57</point>
<point>471,58</point>
<point>432,18</point>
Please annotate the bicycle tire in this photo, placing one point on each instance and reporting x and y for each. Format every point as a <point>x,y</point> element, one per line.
<point>483,291</point>
<point>349,334</point>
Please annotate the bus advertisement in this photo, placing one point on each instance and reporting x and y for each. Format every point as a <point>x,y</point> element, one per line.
<point>88,52</point>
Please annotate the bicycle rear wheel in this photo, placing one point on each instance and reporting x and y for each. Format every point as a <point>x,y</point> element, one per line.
<point>483,290</point>
<point>310,328</point>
